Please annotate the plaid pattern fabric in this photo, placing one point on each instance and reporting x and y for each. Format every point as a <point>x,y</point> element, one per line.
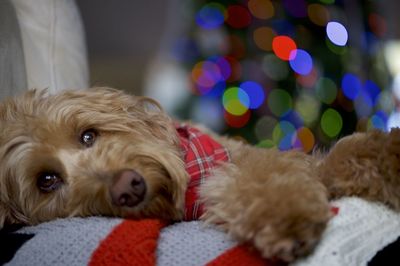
<point>201,154</point>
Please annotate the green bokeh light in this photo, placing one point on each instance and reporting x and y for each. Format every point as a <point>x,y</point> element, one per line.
<point>331,123</point>
<point>266,143</point>
<point>279,102</point>
<point>275,68</point>
<point>236,101</point>
<point>326,90</point>
<point>264,127</point>
<point>308,108</point>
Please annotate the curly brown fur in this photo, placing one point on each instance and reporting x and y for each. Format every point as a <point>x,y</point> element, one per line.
<point>365,165</point>
<point>276,201</point>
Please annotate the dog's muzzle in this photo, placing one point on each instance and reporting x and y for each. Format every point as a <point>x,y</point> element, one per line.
<point>128,188</point>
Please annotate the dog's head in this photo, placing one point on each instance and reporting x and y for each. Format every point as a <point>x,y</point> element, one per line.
<point>81,153</point>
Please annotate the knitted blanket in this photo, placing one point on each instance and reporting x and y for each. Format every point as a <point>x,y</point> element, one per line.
<point>353,237</point>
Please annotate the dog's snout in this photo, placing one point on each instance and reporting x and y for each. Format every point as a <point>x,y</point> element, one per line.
<point>128,188</point>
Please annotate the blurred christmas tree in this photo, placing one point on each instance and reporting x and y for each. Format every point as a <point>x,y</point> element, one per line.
<point>290,73</point>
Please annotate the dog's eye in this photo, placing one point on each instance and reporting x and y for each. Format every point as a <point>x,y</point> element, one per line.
<point>88,137</point>
<point>48,182</point>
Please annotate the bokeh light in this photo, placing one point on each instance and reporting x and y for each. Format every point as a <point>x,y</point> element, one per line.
<point>337,33</point>
<point>210,75</point>
<point>261,9</point>
<point>223,65</point>
<point>331,122</point>
<point>293,117</point>
<point>279,102</point>
<point>304,139</point>
<point>287,71</point>
<point>208,111</point>
<point>308,81</point>
<point>237,121</point>
<point>301,62</point>
<point>373,90</point>
<point>210,16</point>
<point>274,68</point>
<point>263,37</point>
<point>307,107</point>
<point>236,101</point>
<point>351,86</point>
<point>326,90</point>
<point>363,104</point>
<point>264,127</point>
<point>238,17</point>
<point>255,93</point>
<point>206,74</point>
<point>385,101</point>
<point>266,143</point>
<point>318,14</point>
<point>367,99</point>
<point>283,134</point>
<point>283,46</point>
<point>377,24</point>
<point>378,121</point>
<point>215,92</point>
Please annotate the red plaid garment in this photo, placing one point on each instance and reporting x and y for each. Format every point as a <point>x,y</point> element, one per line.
<point>201,154</point>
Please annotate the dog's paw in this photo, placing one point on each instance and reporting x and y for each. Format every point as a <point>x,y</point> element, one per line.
<point>289,239</point>
<point>285,229</point>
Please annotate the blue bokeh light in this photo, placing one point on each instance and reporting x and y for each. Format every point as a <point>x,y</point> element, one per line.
<point>217,91</point>
<point>210,17</point>
<point>255,92</point>
<point>379,120</point>
<point>373,91</point>
<point>351,86</point>
<point>363,104</point>
<point>287,131</point>
<point>302,62</point>
<point>244,98</point>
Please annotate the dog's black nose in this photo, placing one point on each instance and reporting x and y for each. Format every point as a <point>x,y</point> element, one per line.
<point>128,188</point>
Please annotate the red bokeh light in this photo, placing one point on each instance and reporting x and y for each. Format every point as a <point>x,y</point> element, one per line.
<point>283,47</point>
<point>237,121</point>
<point>238,17</point>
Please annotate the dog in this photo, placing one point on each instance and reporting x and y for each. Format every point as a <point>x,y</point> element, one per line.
<point>103,152</point>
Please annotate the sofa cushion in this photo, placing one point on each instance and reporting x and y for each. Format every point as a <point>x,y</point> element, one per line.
<point>12,71</point>
<point>53,43</point>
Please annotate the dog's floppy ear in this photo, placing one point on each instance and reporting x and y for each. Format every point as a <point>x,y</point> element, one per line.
<point>179,178</point>
<point>149,105</point>
<point>173,163</point>
<point>154,116</point>
<point>176,171</point>
<point>3,215</point>
<point>9,215</point>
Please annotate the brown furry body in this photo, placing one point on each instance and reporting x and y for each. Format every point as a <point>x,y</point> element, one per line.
<point>276,201</point>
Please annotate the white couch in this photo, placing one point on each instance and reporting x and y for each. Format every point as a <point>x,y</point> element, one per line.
<point>42,45</point>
